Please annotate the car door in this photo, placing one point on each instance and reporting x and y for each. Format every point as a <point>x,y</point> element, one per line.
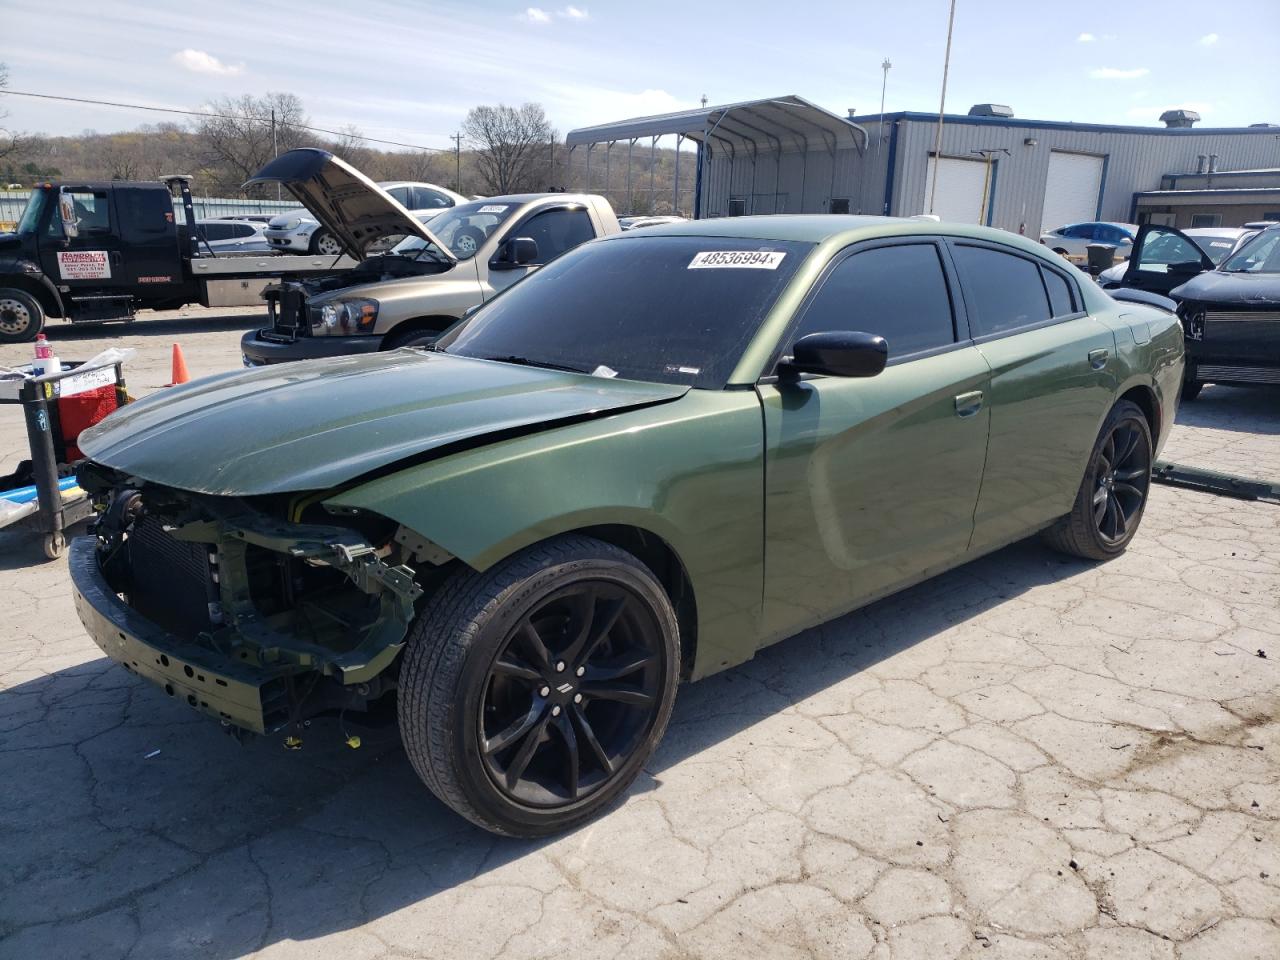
<point>1163,258</point>
<point>91,260</point>
<point>554,229</point>
<point>871,484</point>
<point>1051,385</point>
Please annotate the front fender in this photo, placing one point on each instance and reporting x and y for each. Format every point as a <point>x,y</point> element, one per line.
<point>11,275</point>
<point>690,472</point>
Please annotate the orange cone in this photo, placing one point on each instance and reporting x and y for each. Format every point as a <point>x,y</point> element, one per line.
<point>179,374</point>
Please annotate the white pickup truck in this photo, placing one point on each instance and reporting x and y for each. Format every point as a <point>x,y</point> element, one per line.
<point>465,256</point>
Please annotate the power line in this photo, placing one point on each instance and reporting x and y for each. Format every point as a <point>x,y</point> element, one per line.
<point>216,116</point>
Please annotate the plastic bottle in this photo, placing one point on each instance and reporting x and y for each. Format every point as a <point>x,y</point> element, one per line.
<point>44,349</point>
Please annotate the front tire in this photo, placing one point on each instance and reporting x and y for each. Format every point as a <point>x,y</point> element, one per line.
<point>532,694</point>
<point>325,244</point>
<point>1113,494</point>
<point>21,316</point>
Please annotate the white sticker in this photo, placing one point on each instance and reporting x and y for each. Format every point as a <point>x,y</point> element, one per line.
<point>84,265</point>
<point>1221,244</point>
<point>1154,267</point>
<point>736,259</point>
<point>493,208</point>
<point>84,382</point>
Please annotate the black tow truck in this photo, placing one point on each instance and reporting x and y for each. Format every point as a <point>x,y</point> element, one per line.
<point>90,252</point>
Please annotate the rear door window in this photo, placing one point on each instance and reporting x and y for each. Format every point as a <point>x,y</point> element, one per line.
<point>898,291</point>
<point>1061,297</point>
<point>1003,291</point>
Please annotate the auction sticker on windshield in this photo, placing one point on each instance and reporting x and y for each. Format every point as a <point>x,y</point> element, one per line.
<point>492,208</point>
<point>84,265</point>
<point>748,259</point>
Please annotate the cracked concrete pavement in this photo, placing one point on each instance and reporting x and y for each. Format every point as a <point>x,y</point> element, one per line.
<point>1029,757</point>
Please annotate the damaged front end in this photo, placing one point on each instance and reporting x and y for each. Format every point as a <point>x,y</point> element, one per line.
<point>257,611</point>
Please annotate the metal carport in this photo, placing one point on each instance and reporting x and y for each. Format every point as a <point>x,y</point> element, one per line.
<point>734,140</point>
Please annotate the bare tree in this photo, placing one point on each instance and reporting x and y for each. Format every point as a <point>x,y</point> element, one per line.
<point>10,141</point>
<point>509,142</point>
<point>239,138</point>
<point>350,146</point>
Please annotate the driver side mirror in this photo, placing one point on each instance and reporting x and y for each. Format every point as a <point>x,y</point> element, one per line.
<point>67,212</point>
<point>516,252</point>
<point>837,353</point>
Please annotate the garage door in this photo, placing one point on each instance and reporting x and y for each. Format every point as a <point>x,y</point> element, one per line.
<point>1071,190</point>
<point>960,191</point>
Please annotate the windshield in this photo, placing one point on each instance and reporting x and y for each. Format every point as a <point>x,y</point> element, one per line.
<point>664,309</point>
<point>463,229</point>
<point>1259,255</point>
<point>31,213</point>
<point>1215,245</point>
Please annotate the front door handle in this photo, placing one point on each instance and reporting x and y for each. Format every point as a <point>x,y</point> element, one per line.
<point>1098,358</point>
<point>967,404</point>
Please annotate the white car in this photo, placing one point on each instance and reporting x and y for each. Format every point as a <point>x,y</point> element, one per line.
<point>297,231</point>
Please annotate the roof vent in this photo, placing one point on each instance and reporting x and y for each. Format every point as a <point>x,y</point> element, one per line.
<point>1262,125</point>
<point>1179,118</point>
<point>991,110</point>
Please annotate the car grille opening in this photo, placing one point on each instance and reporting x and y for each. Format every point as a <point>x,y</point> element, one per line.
<point>171,582</point>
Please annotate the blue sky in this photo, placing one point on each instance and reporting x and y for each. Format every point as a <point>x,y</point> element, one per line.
<point>409,70</point>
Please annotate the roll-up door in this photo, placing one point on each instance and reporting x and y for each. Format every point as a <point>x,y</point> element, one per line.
<point>1071,190</point>
<point>962,187</point>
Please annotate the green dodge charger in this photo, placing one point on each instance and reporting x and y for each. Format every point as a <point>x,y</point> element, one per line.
<point>658,454</point>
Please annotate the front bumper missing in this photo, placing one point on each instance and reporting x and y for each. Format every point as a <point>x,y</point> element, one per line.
<point>254,698</point>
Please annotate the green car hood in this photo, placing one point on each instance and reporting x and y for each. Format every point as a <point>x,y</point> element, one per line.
<point>314,425</point>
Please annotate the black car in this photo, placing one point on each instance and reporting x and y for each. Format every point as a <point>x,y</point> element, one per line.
<point>1230,313</point>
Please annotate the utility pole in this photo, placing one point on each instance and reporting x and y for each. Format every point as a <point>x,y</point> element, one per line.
<point>884,84</point>
<point>457,161</point>
<point>275,145</point>
<point>942,105</point>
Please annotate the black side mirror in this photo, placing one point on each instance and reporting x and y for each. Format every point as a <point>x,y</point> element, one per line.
<point>516,252</point>
<point>837,353</point>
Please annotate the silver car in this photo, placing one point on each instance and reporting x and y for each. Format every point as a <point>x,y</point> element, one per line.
<point>297,231</point>
<point>1072,241</point>
<point>222,237</point>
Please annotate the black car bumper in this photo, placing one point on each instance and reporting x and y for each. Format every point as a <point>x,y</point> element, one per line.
<point>235,693</point>
<point>257,351</point>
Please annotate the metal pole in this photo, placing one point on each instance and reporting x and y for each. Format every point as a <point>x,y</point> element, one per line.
<point>653,170</point>
<point>942,105</point>
<point>608,154</point>
<point>551,178</point>
<point>457,161</point>
<point>675,190</point>
<point>884,84</point>
<point>275,146</point>
<point>630,143</point>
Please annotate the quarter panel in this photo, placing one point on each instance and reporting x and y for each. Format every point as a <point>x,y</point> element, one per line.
<point>690,472</point>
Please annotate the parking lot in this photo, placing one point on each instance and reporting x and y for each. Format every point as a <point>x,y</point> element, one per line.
<point>1028,757</point>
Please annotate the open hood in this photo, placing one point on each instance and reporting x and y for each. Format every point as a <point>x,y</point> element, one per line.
<point>314,425</point>
<point>351,206</point>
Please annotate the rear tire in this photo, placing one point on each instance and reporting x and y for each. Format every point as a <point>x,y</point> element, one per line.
<point>1113,494</point>
<point>532,694</point>
<point>21,316</point>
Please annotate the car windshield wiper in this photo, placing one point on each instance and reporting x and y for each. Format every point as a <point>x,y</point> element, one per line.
<point>526,362</point>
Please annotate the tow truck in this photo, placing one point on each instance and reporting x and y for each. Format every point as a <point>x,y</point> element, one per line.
<point>91,252</point>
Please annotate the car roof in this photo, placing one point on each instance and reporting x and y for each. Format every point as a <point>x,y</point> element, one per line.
<point>838,228</point>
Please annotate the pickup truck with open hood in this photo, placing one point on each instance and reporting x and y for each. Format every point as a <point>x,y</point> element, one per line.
<point>466,255</point>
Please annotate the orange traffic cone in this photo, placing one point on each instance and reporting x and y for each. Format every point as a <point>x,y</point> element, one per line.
<point>179,374</point>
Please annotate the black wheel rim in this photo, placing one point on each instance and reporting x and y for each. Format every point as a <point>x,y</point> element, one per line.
<point>1122,476</point>
<point>572,694</point>
<point>15,318</point>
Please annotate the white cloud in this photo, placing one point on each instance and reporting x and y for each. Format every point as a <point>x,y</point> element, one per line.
<point>1116,73</point>
<point>573,13</point>
<point>536,15</point>
<point>197,61</point>
<point>1208,40</point>
<point>1086,38</point>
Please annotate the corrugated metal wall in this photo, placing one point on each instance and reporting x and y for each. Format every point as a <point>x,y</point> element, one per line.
<point>1135,161</point>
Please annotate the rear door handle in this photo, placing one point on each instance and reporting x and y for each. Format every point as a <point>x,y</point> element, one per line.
<point>1098,358</point>
<point>967,404</point>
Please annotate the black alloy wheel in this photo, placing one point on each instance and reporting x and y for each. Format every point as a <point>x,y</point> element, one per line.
<point>1113,493</point>
<point>1122,475</point>
<point>532,694</point>
<point>571,695</point>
